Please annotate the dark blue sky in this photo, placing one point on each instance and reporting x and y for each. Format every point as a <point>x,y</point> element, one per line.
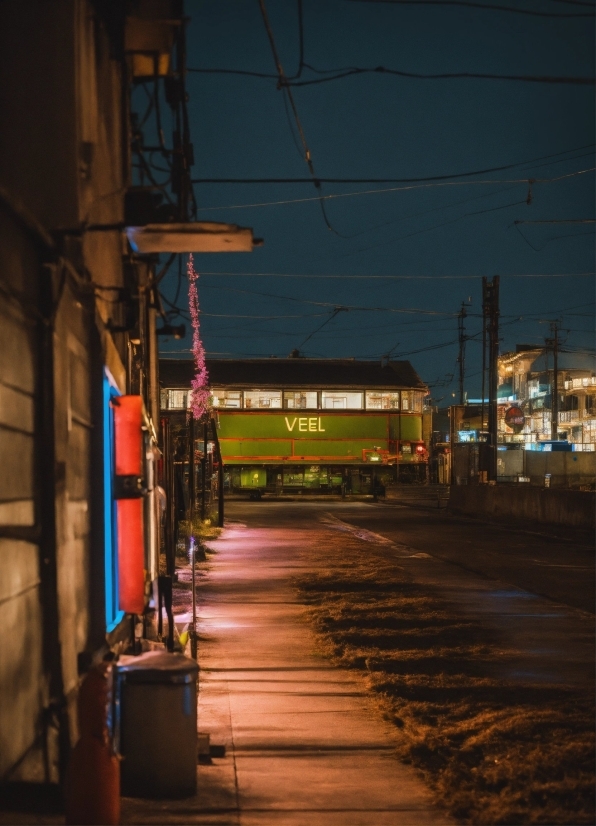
<point>380,126</point>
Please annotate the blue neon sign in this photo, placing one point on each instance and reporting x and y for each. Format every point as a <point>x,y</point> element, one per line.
<point>113,613</point>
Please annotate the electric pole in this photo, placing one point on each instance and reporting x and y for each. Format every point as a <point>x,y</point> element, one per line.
<point>554,342</point>
<point>490,312</point>
<point>462,350</point>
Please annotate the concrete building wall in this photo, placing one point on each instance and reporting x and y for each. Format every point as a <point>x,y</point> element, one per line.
<point>61,167</point>
<point>525,504</point>
<point>21,654</point>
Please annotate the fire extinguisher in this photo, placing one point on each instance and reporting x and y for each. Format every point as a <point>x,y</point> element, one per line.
<point>92,789</point>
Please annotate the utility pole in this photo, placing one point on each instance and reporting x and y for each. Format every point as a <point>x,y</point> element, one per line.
<point>204,472</point>
<point>462,350</point>
<point>490,310</point>
<point>220,475</point>
<point>554,342</point>
<point>191,538</point>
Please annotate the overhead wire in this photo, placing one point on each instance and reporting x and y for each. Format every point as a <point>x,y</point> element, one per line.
<point>339,74</point>
<point>435,226</point>
<point>328,303</point>
<point>335,312</point>
<point>398,277</point>
<point>554,238</point>
<point>432,185</point>
<point>285,89</point>
<point>475,5</point>
<point>452,176</point>
<point>384,70</point>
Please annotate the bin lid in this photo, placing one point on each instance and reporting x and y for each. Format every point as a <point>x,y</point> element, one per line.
<point>157,667</point>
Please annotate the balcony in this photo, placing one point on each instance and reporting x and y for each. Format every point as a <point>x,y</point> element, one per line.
<point>575,384</point>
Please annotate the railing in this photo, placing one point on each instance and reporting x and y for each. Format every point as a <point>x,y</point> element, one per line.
<point>573,384</point>
<point>575,415</point>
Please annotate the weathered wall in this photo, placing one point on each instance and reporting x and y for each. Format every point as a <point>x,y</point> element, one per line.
<point>567,469</point>
<point>21,623</point>
<point>61,161</point>
<point>525,503</point>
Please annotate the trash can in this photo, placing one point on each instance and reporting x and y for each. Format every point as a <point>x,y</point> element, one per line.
<point>156,724</point>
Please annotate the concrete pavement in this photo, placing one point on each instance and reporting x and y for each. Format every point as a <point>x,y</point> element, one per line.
<point>303,743</point>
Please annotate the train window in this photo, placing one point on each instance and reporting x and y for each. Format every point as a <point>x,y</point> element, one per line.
<point>412,400</point>
<point>341,400</point>
<point>382,400</point>
<point>293,477</point>
<point>262,399</point>
<point>226,398</point>
<point>300,399</point>
<point>177,399</point>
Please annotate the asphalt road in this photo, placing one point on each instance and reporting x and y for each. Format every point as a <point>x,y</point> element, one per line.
<point>558,567</point>
<point>536,591</point>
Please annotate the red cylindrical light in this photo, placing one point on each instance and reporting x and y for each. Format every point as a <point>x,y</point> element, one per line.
<point>131,556</point>
<point>128,420</point>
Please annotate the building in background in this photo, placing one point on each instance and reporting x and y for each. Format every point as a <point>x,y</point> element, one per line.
<point>297,424</point>
<point>526,382</point>
<point>524,418</point>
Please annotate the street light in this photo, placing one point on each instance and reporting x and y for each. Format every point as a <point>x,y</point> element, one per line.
<point>194,236</point>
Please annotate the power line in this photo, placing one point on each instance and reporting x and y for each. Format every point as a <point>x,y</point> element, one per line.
<point>340,74</point>
<point>435,226</point>
<point>391,180</point>
<point>562,221</point>
<point>270,317</point>
<point>335,312</point>
<point>548,240</point>
<point>483,6</point>
<point>283,85</point>
<point>437,184</point>
<point>399,277</point>
<point>357,70</point>
<point>328,303</point>
<point>350,71</point>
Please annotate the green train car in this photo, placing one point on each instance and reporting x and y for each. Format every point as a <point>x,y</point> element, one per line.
<point>311,425</point>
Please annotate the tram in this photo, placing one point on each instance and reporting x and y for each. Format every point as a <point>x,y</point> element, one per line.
<point>301,425</point>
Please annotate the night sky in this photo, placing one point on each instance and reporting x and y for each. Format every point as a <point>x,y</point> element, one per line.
<point>431,243</point>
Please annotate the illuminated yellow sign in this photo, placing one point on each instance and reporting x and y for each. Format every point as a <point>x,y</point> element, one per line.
<point>305,424</point>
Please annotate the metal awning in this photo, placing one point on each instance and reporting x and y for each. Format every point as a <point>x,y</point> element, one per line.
<point>197,236</point>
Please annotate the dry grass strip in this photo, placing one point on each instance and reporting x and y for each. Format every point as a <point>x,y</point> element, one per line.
<point>493,752</point>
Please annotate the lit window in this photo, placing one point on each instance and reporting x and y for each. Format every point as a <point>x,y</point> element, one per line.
<point>177,399</point>
<point>382,400</point>
<point>226,398</point>
<point>262,399</point>
<point>412,400</point>
<point>341,400</point>
<point>300,399</point>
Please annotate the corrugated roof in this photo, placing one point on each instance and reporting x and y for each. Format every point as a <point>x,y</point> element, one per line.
<point>294,372</point>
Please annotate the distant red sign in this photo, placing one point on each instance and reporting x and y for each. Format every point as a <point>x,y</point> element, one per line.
<point>514,418</point>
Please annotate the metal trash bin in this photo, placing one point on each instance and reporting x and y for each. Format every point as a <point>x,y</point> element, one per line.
<point>156,724</point>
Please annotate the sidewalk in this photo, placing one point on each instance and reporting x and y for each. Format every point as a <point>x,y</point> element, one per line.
<point>302,743</point>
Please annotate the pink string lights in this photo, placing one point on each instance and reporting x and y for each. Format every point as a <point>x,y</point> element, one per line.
<point>199,394</point>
